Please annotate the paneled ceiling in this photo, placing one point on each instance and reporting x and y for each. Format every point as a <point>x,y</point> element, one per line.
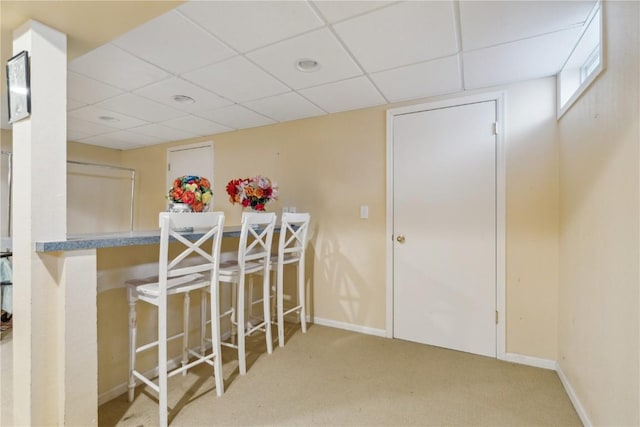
<point>208,67</point>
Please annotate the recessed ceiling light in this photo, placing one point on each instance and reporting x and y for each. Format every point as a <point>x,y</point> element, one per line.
<point>307,65</point>
<point>108,119</point>
<point>183,99</point>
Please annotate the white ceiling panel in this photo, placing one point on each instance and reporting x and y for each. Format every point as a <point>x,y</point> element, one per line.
<point>247,25</point>
<point>522,60</point>
<point>102,116</point>
<point>346,95</point>
<point>84,127</point>
<point>75,135</point>
<point>121,140</point>
<point>114,66</point>
<point>401,34</point>
<point>237,117</point>
<point>72,104</point>
<point>163,133</point>
<point>141,108</point>
<point>281,58</point>
<point>431,78</point>
<point>334,11</point>
<point>174,43</point>
<point>237,79</point>
<point>488,23</point>
<point>165,90</point>
<point>288,106</point>
<point>196,125</point>
<point>88,91</point>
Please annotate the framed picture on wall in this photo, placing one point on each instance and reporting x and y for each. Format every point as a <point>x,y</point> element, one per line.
<point>18,87</point>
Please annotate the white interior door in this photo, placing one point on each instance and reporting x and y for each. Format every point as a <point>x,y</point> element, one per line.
<point>444,201</point>
<point>190,160</point>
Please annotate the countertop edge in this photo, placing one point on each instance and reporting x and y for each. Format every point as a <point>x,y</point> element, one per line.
<point>112,241</point>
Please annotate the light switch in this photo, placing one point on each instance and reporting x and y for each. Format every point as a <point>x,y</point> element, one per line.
<point>364,212</point>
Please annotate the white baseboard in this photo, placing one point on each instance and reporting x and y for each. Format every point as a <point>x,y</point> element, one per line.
<point>537,362</point>
<point>349,327</point>
<point>574,397</point>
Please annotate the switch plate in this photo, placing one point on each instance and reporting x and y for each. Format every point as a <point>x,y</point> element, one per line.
<point>364,212</point>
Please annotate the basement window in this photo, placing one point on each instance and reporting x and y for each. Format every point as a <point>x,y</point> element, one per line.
<point>584,64</point>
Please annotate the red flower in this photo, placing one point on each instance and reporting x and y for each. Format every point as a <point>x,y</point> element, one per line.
<point>197,206</point>
<point>232,187</point>
<point>188,197</point>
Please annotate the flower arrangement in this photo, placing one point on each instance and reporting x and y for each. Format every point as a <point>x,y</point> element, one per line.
<point>253,192</point>
<point>191,190</point>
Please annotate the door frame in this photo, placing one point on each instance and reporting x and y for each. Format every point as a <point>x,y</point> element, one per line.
<point>500,98</point>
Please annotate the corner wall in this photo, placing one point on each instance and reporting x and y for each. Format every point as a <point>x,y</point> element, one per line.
<point>599,240</point>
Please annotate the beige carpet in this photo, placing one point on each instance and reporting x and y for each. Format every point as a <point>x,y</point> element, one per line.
<point>332,377</point>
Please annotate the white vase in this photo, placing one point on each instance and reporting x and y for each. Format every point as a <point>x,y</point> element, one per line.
<point>178,207</point>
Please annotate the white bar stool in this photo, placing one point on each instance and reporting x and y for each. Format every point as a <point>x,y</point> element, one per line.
<point>179,275</point>
<point>254,250</point>
<point>292,245</point>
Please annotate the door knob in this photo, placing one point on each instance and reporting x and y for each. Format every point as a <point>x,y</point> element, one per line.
<point>400,238</point>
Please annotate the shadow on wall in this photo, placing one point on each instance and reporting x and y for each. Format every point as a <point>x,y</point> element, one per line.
<point>346,285</point>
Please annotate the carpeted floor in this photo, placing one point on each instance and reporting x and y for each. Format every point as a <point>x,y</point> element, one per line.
<point>332,377</point>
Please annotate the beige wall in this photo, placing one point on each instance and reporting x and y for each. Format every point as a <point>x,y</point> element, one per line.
<point>5,145</point>
<point>5,140</point>
<point>532,219</point>
<point>330,165</point>
<point>599,245</point>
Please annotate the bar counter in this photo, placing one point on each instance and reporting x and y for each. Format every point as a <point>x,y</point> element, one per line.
<point>118,239</point>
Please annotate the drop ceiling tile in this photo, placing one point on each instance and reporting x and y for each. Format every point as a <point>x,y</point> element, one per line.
<point>236,79</point>
<point>164,91</point>
<point>431,78</point>
<point>79,126</point>
<point>345,95</point>
<point>247,25</point>
<point>114,66</point>
<point>121,140</point>
<point>88,91</point>
<point>141,108</point>
<point>174,43</point>
<point>522,60</point>
<point>400,34</point>
<point>334,11</point>
<point>281,58</point>
<point>163,133</point>
<point>72,104</point>
<point>73,135</point>
<point>487,23</point>
<point>237,117</point>
<point>288,106</point>
<point>92,114</point>
<point>197,125</point>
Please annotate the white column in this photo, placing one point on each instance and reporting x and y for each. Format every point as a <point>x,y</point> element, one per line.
<point>54,338</point>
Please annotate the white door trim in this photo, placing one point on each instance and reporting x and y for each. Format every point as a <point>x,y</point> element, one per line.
<point>500,99</point>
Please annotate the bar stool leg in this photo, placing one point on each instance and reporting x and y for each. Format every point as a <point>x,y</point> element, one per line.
<point>185,332</point>
<point>132,342</point>
<point>280,304</point>
<point>302,296</point>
